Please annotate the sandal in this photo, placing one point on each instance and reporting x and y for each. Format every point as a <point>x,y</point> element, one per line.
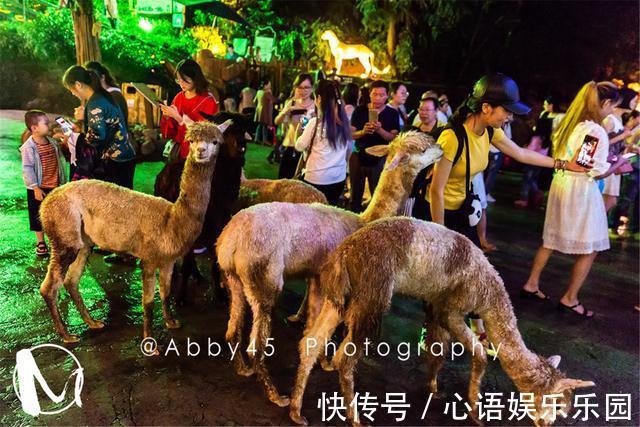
<point>41,249</point>
<point>585,312</point>
<point>535,295</point>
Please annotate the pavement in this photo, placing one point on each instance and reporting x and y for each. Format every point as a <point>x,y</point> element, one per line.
<point>123,387</point>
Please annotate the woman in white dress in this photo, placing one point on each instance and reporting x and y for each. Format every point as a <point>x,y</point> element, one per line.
<point>576,220</point>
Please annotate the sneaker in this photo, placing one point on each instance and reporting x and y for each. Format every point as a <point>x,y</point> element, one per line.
<point>199,251</point>
<point>490,198</point>
<point>41,249</point>
<point>423,339</point>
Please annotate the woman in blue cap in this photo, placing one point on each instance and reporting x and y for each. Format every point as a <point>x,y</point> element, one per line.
<point>476,124</point>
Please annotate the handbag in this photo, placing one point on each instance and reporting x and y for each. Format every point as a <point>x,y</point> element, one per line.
<point>302,161</point>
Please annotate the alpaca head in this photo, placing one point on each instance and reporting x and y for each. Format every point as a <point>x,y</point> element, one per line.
<point>411,150</point>
<point>205,139</point>
<point>235,140</point>
<point>549,381</point>
<point>328,35</point>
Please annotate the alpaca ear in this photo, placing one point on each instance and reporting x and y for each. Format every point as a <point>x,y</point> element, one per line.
<point>223,126</point>
<point>554,360</point>
<point>378,150</point>
<point>570,384</point>
<point>399,159</point>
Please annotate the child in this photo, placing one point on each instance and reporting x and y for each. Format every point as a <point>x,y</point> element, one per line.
<point>42,170</point>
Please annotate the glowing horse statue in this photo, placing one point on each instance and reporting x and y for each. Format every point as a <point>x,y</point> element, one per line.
<point>342,51</point>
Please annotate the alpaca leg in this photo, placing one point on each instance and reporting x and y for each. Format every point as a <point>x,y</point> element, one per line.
<point>311,347</point>
<point>436,334</point>
<point>262,303</point>
<point>457,327</point>
<point>314,300</point>
<point>338,59</point>
<point>61,258</point>
<point>216,276</point>
<point>164,277</point>
<point>300,314</point>
<point>346,366</point>
<point>237,308</point>
<point>366,63</point>
<point>148,293</point>
<point>71,282</point>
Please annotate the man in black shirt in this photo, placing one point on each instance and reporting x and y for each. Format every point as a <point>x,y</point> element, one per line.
<point>368,133</point>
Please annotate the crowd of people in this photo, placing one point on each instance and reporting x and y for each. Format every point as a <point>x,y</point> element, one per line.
<point>320,133</point>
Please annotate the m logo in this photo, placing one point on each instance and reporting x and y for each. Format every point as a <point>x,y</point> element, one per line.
<point>27,372</point>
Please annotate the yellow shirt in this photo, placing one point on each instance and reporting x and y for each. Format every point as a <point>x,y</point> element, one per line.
<point>454,191</point>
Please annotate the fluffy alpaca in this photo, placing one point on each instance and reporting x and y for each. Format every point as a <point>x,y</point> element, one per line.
<point>264,244</point>
<point>225,188</point>
<point>429,262</point>
<point>256,191</point>
<point>85,213</point>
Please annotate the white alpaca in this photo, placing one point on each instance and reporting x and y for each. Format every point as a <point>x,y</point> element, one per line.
<point>362,53</point>
<point>264,244</point>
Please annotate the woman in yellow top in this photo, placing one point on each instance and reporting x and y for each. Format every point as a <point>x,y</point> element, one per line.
<point>493,101</point>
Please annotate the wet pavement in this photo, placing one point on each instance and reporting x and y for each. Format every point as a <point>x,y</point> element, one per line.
<point>123,387</point>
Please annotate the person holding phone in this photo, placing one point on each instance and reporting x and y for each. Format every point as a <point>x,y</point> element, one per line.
<point>374,124</point>
<point>576,220</point>
<point>300,107</point>
<point>188,105</point>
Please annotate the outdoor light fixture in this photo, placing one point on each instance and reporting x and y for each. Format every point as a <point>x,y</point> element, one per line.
<point>145,24</point>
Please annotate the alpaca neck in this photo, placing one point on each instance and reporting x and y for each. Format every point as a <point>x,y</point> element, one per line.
<point>390,194</point>
<point>187,214</point>
<point>521,364</point>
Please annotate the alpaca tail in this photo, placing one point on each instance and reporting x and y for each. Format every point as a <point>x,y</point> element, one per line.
<point>335,281</point>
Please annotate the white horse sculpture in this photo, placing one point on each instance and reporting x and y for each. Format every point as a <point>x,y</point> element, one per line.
<point>342,51</point>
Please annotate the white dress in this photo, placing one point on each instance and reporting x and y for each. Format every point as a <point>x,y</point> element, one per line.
<point>576,220</point>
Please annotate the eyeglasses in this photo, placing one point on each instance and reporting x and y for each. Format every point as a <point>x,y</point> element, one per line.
<point>179,80</point>
<point>305,87</point>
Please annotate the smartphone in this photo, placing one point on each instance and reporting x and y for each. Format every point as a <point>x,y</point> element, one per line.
<point>67,128</point>
<point>373,115</point>
<point>587,151</point>
<point>298,111</point>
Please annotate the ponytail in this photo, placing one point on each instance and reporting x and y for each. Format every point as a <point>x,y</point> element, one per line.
<point>90,78</point>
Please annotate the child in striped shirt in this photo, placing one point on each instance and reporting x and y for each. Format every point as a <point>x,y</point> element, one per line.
<point>42,170</point>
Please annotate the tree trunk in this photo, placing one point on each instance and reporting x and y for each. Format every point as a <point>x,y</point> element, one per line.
<point>87,47</point>
<point>392,42</point>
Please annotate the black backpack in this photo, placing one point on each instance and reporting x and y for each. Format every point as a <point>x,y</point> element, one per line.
<point>423,179</point>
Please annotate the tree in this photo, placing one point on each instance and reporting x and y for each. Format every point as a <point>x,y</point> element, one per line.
<point>86,31</point>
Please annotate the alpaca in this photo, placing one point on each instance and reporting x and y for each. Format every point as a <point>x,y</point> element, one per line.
<point>342,51</point>
<point>85,213</point>
<point>265,243</point>
<point>225,189</point>
<point>255,191</point>
<point>429,262</point>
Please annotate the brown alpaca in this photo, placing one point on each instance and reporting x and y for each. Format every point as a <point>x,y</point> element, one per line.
<point>264,244</point>
<point>429,262</point>
<point>255,191</point>
<point>85,213</point>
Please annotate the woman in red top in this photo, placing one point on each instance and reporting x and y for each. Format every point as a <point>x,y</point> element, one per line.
<point>187,106</point>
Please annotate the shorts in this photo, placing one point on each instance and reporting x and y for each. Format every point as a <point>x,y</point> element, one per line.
<point>33,206</point>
